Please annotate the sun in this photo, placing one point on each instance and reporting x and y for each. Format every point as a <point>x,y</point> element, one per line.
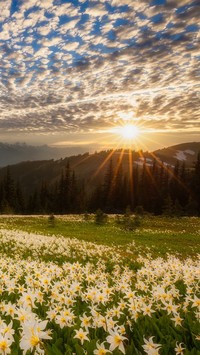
<point>125,134</point>
<point>128,131</point>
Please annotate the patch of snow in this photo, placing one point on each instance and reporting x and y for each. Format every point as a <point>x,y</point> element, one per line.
<point>141,163</point>
<point>180,155</point>
<point>188,151</point>
<point>145,159</point>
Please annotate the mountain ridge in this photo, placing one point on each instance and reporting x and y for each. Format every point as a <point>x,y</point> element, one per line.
<point>92,167</point>
<point>12,154</point>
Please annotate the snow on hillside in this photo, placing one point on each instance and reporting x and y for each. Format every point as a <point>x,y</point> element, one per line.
<point>182,155</point>
<point>191,152</point>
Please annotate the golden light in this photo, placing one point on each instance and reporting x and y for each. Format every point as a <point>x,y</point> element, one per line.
<point>129,131</point>
<point>126,131</point>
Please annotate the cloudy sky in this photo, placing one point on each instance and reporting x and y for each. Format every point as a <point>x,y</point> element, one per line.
<point>70,71</point>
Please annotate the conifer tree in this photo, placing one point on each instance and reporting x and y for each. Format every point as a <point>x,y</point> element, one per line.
<point>108,187</point>
<point>196,183</point>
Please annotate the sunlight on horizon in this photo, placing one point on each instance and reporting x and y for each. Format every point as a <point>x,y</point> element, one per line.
<point>127,131</point>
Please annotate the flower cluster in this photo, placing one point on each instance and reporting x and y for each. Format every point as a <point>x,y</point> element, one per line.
<point>82,307</point>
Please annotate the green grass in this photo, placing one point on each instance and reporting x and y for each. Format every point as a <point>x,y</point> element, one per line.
<point>157,235</point>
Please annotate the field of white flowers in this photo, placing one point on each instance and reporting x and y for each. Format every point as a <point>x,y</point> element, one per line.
<point>65,296</point>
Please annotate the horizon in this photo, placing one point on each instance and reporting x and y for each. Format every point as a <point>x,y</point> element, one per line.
<point>107,148</point>
<point>12,154</point>
<point>98,74</point>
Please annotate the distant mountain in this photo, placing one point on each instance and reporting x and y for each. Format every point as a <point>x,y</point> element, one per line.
<point>15,153</point>
<point>185,152</point>
<point>89,167</point>
<point>11,154</point>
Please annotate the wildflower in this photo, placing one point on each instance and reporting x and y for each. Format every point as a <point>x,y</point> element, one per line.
<point>85,321</point>
<point>5,344</point>
<point>65,318</point>
<point>179,349</point>
<point>101,350</point>
<point>115,340</point>
<point>122,329</point>
<point>10,309</point>
<point>196,302</point>
<point>170,308</point>
<point>8,330</point>
<point>51,314</point>
<point>27,299</point>
<point>147,310</point>
<point>150,347</point>
<point>81,335</point>
<point>23,314</point>
<point>177,319</point>
<point>32,335</point>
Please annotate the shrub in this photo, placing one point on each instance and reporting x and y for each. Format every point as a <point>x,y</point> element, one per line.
<point>51,220</point>
<point>130,222</point>
<point>139,210</point>
<point>86,217</point>
<point>100,217</point>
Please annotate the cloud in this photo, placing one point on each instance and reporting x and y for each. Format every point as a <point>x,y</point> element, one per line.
<point>5,7</point>
<point>96,10</point>
<point>70,46</point>
<point>82,67</point>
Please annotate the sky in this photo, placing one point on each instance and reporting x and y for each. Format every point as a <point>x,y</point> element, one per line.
<point>72,71</point>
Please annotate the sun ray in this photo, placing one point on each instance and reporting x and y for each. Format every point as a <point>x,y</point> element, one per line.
<point>127,131</point>
<point>103,164</point>
<point>131,174</point>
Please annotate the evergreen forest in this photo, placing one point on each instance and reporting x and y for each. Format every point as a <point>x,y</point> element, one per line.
<point>157,189</point>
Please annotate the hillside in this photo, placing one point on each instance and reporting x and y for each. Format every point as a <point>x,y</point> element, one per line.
<point>11,154</point>
<point>185,152</point>
<point>92,167</point>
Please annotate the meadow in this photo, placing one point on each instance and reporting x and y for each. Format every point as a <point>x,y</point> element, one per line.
<point>75,287</point>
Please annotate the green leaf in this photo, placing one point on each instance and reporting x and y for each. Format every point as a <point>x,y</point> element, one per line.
<point>56,351</point>
<point>79,350</point>
<point>68,349</point>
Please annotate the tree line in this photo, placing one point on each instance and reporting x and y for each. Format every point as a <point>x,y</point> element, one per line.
<point>157,189</point>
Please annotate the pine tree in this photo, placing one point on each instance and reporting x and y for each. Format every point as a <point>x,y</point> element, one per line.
<point>135,201</point>
<point>20,202</point>
<point>191,209</point>
<point>174,183</point>
<point>117,189</point>
<point>168,207</point>
<point>196,183</point>
<point>9,203</point>
<point>60,195</point>
<point>96,200</point>
<point>74,201</point>
<point>34,206</point>
<point>67,189</point>
<point>145,187</point>
<point>108,188</point>
<point>44,198</point>
<point>184,191</point>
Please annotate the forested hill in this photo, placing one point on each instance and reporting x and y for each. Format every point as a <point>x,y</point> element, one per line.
<point>92,167</point>
<point>185,152</point>
<point>110,180</point>
<point>11,154</point>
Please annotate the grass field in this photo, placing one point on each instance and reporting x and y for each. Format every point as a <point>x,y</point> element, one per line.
<point>157,234</point>
<point>73,287</point>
